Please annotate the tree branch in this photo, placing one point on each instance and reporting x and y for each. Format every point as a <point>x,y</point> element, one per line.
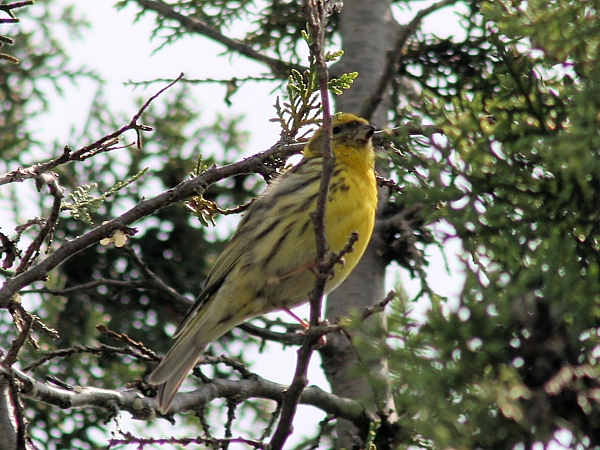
<point>268,335</point>
<point>154,280</point>
<point>8,429</point>
<point>317,12</point>
<point>145,408</point>
<point>280,69</point>
<point>47,231</point>
<point>184,190</point>
<point>205,442</point>
<point>104,144</point>
<point>101,349</point>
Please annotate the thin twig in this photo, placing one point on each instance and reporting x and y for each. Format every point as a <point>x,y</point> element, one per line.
<point>47,231</point>
<point>155,280</point>
<point>317,27</point>
<point>103,144</point>
<point>7,8</point>
<point>378,307</point>
<point>89,349</point>
<point>225,81</point>
<point>317,17</point>
<point>123,285</point>
<point>121,337</point>
<point>24,324</point>
<point>389,183</point>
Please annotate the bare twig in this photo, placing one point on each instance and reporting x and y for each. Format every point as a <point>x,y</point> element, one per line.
<point>154,280</point>
<point>101,349</point>
<point>316,24</point>
<point>317,12</point>
<point>389,183</point>
<point>24,325</point>
<point>104,144</point>
<point>8,9</point>
<point>47,231</point>
<point>127,340</point>
<point>268,335</point>
<point>378,307</point>
<point>224,81</point>
<point>123,285</point>
<point>150,281</point>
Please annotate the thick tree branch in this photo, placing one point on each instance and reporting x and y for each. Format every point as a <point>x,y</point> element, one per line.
<point>275,336</point>
<point>8,430</point>
<point>184,190</point>
<point>205,442</point>
<point>145,408</point>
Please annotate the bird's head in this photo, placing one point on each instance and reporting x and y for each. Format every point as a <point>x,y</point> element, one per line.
<point>348,131</point>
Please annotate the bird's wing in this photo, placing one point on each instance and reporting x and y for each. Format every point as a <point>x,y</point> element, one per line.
<point>266,212</point>
<point>231,254</point>
<point>223,266</point>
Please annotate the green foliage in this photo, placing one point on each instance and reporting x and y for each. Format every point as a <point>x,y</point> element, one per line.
<point>273,27</point>
<point>515,178</point>
<point>281,28</point>
<point>303,105</point>
<point>24,88</point>
<point>338,85</point>
<point>84,204</point>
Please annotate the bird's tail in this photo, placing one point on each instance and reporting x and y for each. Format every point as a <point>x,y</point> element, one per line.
<point>174,368</point>
<point>205,323</point>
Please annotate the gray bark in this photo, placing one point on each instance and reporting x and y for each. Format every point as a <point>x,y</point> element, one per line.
<point>367,29</point>
<point>8,427</point>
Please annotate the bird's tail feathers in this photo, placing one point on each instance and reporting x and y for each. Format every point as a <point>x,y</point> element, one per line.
<point>174,368</point>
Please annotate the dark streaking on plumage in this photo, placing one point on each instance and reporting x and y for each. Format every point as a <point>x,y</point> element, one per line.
<point>266,264</point>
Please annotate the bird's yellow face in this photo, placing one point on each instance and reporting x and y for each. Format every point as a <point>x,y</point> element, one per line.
<point>349,134</point>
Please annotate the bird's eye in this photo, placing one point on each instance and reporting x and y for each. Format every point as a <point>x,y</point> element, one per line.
<point>336,130</point>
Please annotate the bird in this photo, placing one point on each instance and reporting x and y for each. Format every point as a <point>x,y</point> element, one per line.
<point>269,262</point>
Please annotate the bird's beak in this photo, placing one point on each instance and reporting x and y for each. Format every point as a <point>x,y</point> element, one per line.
<point>364,132</point>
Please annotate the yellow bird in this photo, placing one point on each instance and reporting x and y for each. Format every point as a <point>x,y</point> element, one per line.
<point>266,266</point>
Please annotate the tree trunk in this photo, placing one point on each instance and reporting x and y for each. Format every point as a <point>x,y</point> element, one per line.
<point>367,31</point>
